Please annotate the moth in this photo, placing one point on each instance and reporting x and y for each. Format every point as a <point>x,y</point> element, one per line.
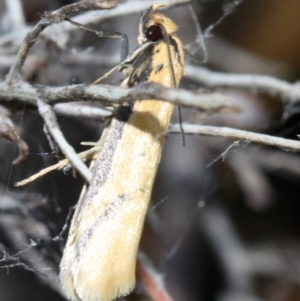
<point>99,259</point>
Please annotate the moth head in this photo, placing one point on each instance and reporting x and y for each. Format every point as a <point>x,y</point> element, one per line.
<point>155,26</point>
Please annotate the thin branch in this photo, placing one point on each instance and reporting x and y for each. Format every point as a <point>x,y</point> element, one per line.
<point>8,131</point>
<point>285,144</point>
<point>256,187</point>
<point>79,7</point>
<point>48,115</point>
<point>151,279</point>
<point>262,83</point>
<point>124,9</point>
<point>109,95</point>
<point>81,110</point>
<point>14,74</point>
<point>87,18</point>
<point>62,164</point>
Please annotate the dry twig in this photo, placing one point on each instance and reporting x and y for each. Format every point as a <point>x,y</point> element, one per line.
<point>232,254</point>
<point>48,115</point>
<point>111,95</point>
<point>8,131</point>
<point>262,83</point>
<point>58,166</point>
<point>14,74</point>
<point>225,132</point>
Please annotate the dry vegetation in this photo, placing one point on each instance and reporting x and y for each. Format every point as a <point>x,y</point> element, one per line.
<point>224,220</point>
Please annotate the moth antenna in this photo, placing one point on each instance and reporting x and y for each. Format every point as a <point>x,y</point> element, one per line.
<point>167,41</point>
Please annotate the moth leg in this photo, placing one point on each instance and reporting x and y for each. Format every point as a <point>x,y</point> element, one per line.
<point>108,34</point>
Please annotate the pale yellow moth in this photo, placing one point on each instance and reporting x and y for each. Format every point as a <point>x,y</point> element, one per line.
<point>99,259</point>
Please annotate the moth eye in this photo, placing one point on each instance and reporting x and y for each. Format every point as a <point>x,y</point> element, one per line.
<point>154,33</point>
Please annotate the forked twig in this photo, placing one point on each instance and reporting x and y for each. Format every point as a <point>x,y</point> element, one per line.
<point>59,15</point>
<point>48,115</point>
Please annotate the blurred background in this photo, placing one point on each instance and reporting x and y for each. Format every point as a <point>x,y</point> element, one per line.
<point>224,221</point>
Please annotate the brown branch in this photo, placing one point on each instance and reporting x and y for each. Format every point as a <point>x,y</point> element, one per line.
<point>8,131</point>
<point>152,280</point>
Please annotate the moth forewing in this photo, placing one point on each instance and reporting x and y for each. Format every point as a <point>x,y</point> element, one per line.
<point>100,256</point>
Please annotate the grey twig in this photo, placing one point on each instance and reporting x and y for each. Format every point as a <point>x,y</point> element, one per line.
<point>86,18</point>
<point>109,95</point>
<point>48,115</point>
<point>285,144</point>
<point>124,9</point>
<point>79,7</point>
<point>14,74</point>
<point>81,110</point>
<point>262,83</point>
